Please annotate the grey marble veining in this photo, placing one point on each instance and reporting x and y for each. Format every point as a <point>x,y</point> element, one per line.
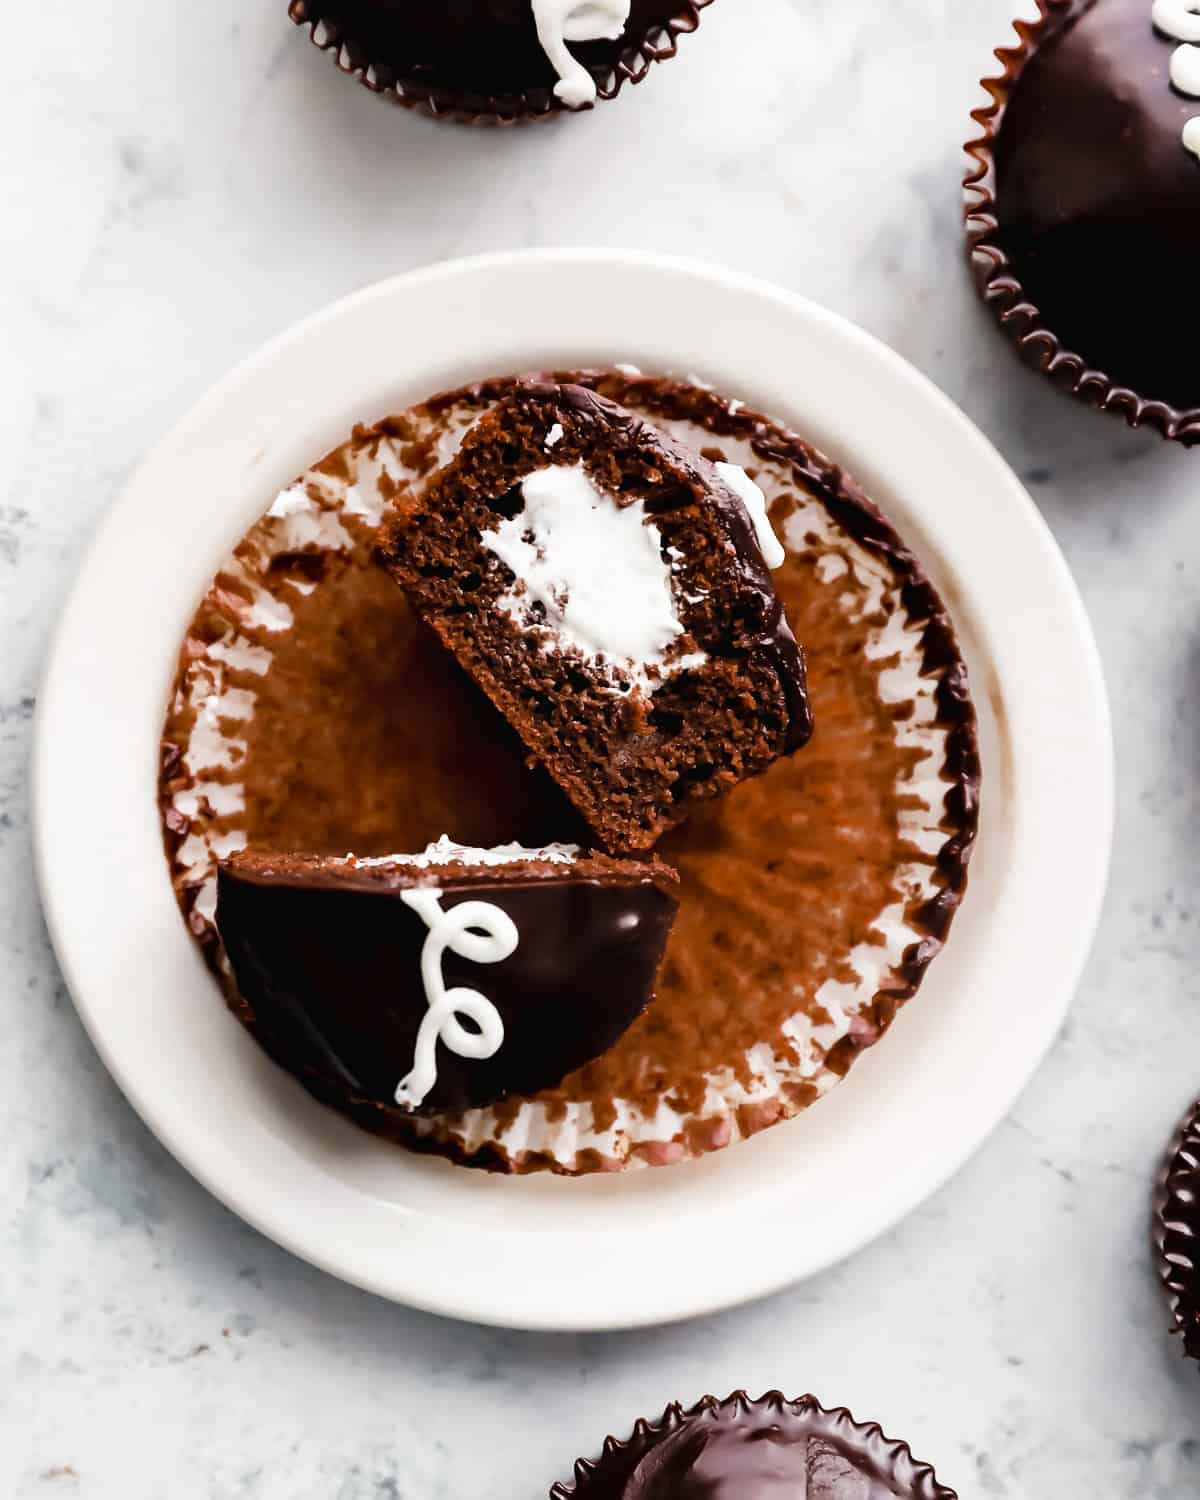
<point>178,184</point>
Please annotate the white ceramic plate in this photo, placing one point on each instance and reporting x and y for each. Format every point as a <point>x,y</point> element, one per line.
<point>647,1246</point>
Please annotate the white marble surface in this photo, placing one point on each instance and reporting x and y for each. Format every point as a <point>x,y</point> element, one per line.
<point>179,183</point>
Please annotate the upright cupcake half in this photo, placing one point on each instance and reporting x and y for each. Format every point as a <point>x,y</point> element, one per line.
<point>1084,204</point>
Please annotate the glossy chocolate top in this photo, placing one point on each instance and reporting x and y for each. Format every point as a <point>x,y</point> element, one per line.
<point>483,47</point>
<point>1098,199</point>
<point>328,956</point>
<point>771,1449</point>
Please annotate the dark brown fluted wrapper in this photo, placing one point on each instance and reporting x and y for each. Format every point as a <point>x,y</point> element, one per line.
<point>1177,1230</point>
<point>469,108</point>
<point>561,1133</point>
<point>884,1460</point>
<point>995,276</point>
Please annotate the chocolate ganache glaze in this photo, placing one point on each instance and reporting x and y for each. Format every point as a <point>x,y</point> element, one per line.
<point>1177,1230</point>
<point>330,955</point>
<point>770,1449</point>
<point>1097,204</point>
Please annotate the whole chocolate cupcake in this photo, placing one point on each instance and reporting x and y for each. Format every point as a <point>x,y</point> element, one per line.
<point>1177,1230</point>
<point>771,1449</point>
<point>497,61</point>
<point>1084,212</point>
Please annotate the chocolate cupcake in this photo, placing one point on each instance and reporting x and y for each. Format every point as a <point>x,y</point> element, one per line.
<point>1083,210</point>
<point>497,61</point>
<point>772,1447</point>
<point>1177,1230</point>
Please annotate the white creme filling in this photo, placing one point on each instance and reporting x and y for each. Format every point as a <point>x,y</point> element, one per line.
<point>446,852</point>
<point>590,577</point>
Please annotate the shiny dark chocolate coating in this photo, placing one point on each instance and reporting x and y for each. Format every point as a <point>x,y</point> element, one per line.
<point>486,48</point>
<point>1177,1230</point>
<point>770,1449</point>
<point>1098,200</point>
<point>328,956</point>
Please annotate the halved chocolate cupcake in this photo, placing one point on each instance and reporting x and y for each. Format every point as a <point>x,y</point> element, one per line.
<point>769,1449</point>
<point>497,61</point>
<point>1083,212</point>
<point>314,710</point>
<point>443,980</point>
<point>1177,1230</point>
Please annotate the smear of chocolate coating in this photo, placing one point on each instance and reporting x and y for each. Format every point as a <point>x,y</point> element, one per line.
<point>779,882</point>
<point>1083,212</point>
<point>769,1449</point>
<point>1177,1230</point>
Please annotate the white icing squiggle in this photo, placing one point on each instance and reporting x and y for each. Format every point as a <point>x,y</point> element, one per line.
<point>772,549</point>
<point>563,21</point>
<point>1185,69</point>
<point>1178,18</point>
<point>475,930</point>
<point>1181,19</point>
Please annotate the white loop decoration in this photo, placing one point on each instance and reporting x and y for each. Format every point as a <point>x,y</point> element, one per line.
<point>1185,69</point>
<point>563,21</point>
<point>475,930</point>
<point>1178,18</point>
<point>1181,19</point>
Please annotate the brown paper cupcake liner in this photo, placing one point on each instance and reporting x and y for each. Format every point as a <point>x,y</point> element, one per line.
<point>837,1434</point>
<point>604,1127</point>
<point>1177,1230</point>
<point>444,102</point>
<point>995,275</point>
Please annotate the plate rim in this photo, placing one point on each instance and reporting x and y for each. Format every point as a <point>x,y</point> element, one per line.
<point>695,1300</point>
